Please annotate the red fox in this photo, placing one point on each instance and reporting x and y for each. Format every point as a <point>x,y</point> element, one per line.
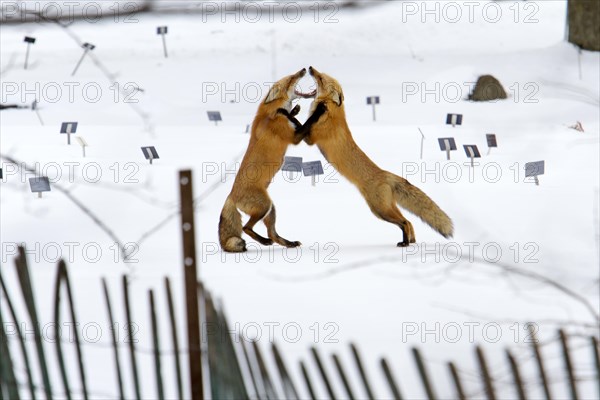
<point>381,189</point>
<point>273,129</point>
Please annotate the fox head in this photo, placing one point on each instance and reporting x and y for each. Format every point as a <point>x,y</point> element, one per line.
<point>283,92</point>
<point>328,89</point>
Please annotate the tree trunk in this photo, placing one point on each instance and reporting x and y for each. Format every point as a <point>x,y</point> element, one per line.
<point>584,23</point>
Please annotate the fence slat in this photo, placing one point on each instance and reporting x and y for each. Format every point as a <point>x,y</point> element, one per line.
<point>307,382</point>
<point>174,338</point>
<point>264,373</point>
<point>363,373</point>
<point>485,374</point>
<point>113,332</point>
<point>289,389</point>
<point>596,354</point>
<point>24,352</point>
<point>186,196</point>
<point>57,341</point>
<point>62,279</point>
<point>7,371</point>
<point>518,382</point>
<point>343,377</point>
<point>78,348</point>
<point>236,379</point>
<point>423,374</point>
<point>568,364</point>
<point>539,361</point>
<point>460,392</point>
<point>323,373</point>
<point>250,367</point>
<point>389,377</point>
<point>131,341</point>
<point>156,348</point>
<point>27,291</point>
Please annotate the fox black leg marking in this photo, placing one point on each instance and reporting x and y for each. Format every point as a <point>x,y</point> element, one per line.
<point>291,116</point>
<point>295,110</point>
<point>319,110</point>
<point>250,232</point>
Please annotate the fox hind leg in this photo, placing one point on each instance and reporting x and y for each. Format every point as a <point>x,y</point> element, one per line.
<point>230,228</point>
<point>256,206</point>
<point>392,214</point>
<point>396,217</point>
<point>250,232</point>
<point>269,222</point>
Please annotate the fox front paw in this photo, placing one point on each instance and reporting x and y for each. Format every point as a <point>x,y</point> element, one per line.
<point>295,110</point>
<point>319,109</point>
<point>290,244</point>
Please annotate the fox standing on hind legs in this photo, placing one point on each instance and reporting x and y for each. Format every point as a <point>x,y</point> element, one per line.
<point>381,189</point>
<point>273,129</point>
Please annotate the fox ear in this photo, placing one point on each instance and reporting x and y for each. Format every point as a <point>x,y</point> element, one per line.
<point>273,94</point>
<point>337,97</point>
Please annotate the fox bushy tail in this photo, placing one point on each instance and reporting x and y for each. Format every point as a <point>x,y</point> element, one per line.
<point>414,200</point>
<point>230,228</point>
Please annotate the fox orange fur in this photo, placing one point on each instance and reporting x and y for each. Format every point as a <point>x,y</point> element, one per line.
<point>382,190</point>
<point>273,129</point>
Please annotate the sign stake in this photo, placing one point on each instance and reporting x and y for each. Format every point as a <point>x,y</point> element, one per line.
<point>454,119</point>
<point>68,128</point>
<point>82,143</point>
<point>34,107</point>
<point>422,140</point>
<point>491,141</point>
<point>39,184</point>
<point>214,116</point>
<point>39,117</point>
<point>162,31</point>
<point>292,165</point>
<point>150,153</point>
<point>472,152</point>
<point>447,144</point>
<point>373,100</point>
<point>27,55</point>
<point>533,169</point>
<point>87,47</point>
<point>79,63</point>
<point>312,169</point>
<point>29,41</point>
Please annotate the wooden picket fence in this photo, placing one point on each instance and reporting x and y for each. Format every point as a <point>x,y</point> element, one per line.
<point>219,367</point>
<point>228,359</point>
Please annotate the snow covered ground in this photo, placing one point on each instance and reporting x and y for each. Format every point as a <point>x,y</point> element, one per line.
<point>349,281</point>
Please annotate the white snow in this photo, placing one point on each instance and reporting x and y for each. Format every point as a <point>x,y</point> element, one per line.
<point>349,281</point>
